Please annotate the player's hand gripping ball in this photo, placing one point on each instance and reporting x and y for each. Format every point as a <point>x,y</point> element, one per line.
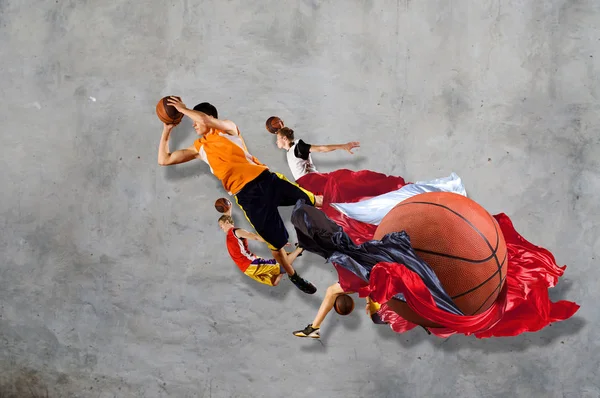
<point>168,114</point>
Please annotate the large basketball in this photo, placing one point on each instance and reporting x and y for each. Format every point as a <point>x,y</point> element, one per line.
<point>460,241</point>
<point>168,113</point>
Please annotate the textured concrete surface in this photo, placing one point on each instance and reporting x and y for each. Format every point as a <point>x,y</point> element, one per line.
<point>114,280</point>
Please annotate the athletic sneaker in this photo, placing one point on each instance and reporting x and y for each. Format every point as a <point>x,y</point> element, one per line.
<point>308,331</point>
<point>303,284</point>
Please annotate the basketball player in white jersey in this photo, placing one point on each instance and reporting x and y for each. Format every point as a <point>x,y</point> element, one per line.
<point>298,152</point>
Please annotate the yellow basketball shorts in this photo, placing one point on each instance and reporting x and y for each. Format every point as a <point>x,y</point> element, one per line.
<point>264,271</point>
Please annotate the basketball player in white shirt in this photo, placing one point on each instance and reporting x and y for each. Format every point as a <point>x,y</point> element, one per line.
<point>298,152</point>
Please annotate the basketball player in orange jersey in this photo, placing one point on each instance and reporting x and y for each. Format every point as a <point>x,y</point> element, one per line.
<point>266,271</point>
<point>257,191</point>
<point>299,152</point>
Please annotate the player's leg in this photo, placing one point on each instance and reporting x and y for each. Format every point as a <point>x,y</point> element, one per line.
<point>278,279</point>
<point>313,329</point>
<point>293,255</point>
<point>280,271</point>
<point>301,283</point>
<point>268,224</point>
<point>261,212</point>
<point>332,293</point>
<point>276,236</point>
<point>289,192</point>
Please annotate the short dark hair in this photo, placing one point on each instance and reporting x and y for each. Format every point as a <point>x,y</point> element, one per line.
<point>286,132</point>
<point>226,218</point>
<point>207,108</point>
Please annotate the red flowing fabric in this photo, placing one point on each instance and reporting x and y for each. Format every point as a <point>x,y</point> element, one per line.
<point>522,306</point>
<point>347,186</point>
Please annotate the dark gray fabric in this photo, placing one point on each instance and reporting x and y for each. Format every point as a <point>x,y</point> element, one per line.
<point>314,229</point>
<point>318,234</point>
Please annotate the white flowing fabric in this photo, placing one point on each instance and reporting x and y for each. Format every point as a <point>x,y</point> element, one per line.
<point>372,210</point>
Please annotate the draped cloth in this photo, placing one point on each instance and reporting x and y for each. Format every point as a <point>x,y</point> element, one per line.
<point>341,232</point>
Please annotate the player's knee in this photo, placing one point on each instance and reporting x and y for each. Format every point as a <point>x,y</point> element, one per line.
<point>275,243</point>
<point>332,290</point>
<point>279,252</point>
<point>335,290</point>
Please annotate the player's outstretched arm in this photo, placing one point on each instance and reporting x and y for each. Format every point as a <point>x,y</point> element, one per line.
<point>167,158</point>
<point>328,148</point>
<point>202,118</point>
<point>242,233</point>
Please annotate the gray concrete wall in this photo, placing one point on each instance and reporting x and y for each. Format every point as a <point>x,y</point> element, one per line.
<point>114,279</point>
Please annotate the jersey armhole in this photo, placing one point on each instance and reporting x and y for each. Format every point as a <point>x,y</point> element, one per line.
<point>302,150</point>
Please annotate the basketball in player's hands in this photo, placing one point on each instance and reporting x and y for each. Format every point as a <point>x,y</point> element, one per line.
<point>168,114</point>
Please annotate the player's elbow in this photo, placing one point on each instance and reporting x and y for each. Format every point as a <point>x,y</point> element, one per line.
<point>163,161</point>
<point>230,127</point>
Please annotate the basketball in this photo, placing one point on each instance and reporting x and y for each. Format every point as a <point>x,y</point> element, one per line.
<point>461,242</point>
<point>168,113</point>
<point>273,124</point>
<point>222,205</point>
<point>343,304</point>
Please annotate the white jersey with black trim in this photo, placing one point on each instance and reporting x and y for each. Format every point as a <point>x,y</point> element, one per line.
<point>299,159</point>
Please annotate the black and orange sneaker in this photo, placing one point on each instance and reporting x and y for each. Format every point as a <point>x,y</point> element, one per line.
<point>308,331</point>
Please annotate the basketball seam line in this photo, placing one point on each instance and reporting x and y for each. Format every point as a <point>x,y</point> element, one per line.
<point>482,283</point>
<point>496,249</point>
<point>488,297</point>
<point>472,226</point>
<point>454,257</point>
<point>459,215</point>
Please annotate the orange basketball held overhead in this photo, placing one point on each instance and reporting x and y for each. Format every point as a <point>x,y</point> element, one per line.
<point>168,113</point>
<point>460,241</point>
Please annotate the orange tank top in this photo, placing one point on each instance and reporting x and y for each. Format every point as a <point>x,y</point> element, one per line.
<point>229,159</point>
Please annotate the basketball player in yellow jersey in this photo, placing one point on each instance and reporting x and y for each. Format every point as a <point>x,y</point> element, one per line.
<point>257,191</point>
